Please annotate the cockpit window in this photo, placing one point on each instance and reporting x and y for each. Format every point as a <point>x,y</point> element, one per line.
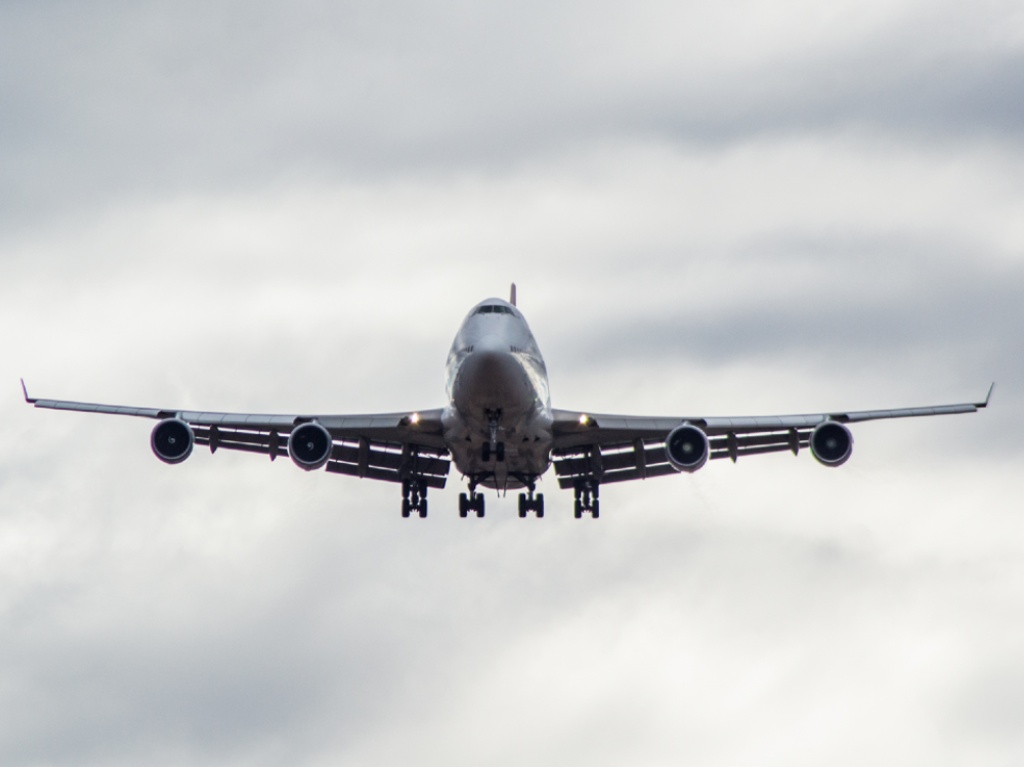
<point>494,309</point>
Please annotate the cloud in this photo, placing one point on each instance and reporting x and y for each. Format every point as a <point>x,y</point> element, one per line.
<point>712,207</point>
<point>113,102</point>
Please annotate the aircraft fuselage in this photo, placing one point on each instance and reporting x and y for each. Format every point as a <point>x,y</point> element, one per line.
<point>497,424</point>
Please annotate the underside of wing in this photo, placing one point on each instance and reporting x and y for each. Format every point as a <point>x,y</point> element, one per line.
<point>601,448</point>
<point>388,453</point>
<point>644,457</point>
<point>393,447</point>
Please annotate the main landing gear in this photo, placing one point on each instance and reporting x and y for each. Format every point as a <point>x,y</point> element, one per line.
<point>414,497</point>
<point>473,502</point>
<point>528,502</point>
<point>588,499</point>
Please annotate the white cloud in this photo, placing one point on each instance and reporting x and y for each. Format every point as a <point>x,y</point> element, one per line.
<point>739,207</point>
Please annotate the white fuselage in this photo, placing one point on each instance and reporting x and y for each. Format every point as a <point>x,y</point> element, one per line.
<point>497,388</point>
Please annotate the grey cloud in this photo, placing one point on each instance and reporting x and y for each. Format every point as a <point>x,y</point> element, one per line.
<point>231,612</point>
<point>113,101</point>
<point>866,308</point>
<point>990,706</point>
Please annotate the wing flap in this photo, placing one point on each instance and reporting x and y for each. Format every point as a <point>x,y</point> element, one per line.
<point>388,461</point>
<point>642,458</point>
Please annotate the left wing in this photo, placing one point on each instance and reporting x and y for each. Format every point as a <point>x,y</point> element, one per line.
<point>393,447</point>
<point>614,448</point>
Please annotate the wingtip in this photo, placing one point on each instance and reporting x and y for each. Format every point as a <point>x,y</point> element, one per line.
<point>24,390</point>
<point>987,396</point>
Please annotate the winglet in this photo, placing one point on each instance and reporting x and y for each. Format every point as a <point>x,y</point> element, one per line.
<point>987,396</point>
<point>512,297</point>
<point>24,391</point>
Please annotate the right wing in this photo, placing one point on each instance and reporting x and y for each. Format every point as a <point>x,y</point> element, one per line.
<point>393,447</point>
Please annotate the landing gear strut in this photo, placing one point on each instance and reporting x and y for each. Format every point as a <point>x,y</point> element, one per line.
<point>414,497</point>
<point>528,502</point>
<point>588,498</point>
<point>498,451</point>
<point>495,448</point>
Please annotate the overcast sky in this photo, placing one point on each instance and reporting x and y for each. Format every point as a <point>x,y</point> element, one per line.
<point>723,208</point>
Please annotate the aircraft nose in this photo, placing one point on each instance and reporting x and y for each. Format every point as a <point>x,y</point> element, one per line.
<point>490,367</point>
<point>491,345</point>
<point>490,357</point>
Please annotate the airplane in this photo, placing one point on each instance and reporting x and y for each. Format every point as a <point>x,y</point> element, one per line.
<point>500,430</point>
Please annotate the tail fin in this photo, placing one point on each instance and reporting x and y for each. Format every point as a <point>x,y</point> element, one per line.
<point>512,298</point>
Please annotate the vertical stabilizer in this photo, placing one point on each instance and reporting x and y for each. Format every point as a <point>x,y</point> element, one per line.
<point>512,298</point>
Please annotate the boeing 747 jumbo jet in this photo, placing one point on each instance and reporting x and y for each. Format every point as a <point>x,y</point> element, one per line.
<point>500,430</point>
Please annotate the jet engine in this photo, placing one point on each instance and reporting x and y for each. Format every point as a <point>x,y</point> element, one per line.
<point>309,446</point>
<point>687,448</point>
<point>172,440</point>
<point>831,443</point>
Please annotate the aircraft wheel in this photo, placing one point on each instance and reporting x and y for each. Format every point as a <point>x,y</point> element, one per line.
<point>406,507</point>
<point>423,509</point>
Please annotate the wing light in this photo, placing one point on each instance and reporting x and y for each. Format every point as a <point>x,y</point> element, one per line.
<point>584,419</point>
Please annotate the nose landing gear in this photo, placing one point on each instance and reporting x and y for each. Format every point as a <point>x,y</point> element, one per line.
<point>493,447</point>
<point>497,450</point>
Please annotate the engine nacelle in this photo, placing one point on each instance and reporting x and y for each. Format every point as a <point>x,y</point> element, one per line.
<point>831,443</point>
<point>172,440</point>
<point>309,446</point>
<point>687,448</point>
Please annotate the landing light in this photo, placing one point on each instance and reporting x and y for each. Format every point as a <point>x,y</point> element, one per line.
<point>414,419</point>
<point>584,419</point>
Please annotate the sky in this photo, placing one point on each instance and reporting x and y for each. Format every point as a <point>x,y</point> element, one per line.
<point>728,208</point>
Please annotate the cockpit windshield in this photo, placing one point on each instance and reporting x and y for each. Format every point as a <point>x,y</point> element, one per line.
<point>494,309</point>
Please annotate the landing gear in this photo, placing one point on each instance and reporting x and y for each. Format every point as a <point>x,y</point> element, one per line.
<point>414,497</point>
<point>498,451</point>
<point>588,499</point>
<point>473,502</point>
<point>528,502</point>
<point>495,448</point>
